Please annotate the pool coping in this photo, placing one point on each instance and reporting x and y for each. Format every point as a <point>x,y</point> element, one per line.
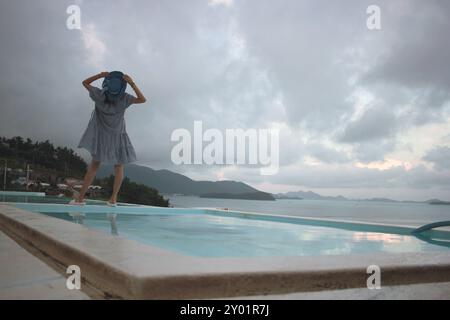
<point>124,268</point>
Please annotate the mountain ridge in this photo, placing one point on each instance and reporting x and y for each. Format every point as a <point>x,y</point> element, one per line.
<point>310,195</point>
<point>169,182</point>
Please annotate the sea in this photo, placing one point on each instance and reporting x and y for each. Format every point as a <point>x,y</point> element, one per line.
<point>404,213</point>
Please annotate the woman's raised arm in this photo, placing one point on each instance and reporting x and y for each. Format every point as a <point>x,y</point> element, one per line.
<point>140,97</point>
<point>87,82</point>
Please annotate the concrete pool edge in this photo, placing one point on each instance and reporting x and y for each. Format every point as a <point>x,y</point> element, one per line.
<point>127,269</point>
<point>56,253</point>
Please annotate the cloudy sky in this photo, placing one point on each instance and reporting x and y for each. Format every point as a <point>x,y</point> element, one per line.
<point>362,113</point>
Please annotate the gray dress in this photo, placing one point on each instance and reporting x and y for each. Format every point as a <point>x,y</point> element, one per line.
<point>105,136</point>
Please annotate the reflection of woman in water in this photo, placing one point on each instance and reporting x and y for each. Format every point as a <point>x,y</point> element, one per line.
<point>112,220</point>
<point>105,136</point>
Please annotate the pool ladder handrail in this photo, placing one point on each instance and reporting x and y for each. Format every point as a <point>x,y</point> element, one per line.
<point>433,225</point>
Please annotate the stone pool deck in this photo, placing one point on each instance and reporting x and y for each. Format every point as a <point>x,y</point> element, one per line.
<point>120,268</point>
<point>427,291</point>
<point>24,276</point>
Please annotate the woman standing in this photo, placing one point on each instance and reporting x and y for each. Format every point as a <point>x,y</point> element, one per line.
<point>105,136</point>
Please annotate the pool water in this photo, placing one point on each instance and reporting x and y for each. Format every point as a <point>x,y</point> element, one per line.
<point>32,199</point>
<point>210,235</point>
<point>40,199</point>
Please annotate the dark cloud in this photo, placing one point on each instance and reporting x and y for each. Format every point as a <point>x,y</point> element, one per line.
<point>301,64</point>
<point>326,154</point>
<point>417,50</point>
<point>374,124</point>
<point>375,150</point>
<point>440,157</point>
<point>409,67</point>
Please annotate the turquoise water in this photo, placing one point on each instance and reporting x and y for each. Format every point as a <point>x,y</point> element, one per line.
<point>40,199</point>
<point>194,232</point>
<point>209,235</point>
<point>415,214</point>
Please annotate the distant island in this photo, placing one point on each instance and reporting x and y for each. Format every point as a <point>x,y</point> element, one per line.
<point>309,195</point>
<point>282,197</point>
<point>264,196</point>
<point>439,202</point>
<point>172,183</point>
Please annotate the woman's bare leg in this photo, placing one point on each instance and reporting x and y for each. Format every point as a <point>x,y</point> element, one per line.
<point>118,177</point>
<point>88,178</point>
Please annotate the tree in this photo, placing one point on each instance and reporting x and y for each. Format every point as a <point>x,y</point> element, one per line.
<point>132,192</point>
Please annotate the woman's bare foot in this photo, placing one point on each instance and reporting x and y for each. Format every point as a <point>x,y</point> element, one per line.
<point>76,202</point>
<point>112,200</point>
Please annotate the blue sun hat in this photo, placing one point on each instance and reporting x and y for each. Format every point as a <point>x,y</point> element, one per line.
<point>114,86</point>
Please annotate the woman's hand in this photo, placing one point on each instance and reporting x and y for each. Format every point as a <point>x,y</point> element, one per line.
<point>128,79</point>
<point>87,82</point>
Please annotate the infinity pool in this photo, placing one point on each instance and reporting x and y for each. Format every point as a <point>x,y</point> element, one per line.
<point>210,235</point>
<point>213,233</point>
